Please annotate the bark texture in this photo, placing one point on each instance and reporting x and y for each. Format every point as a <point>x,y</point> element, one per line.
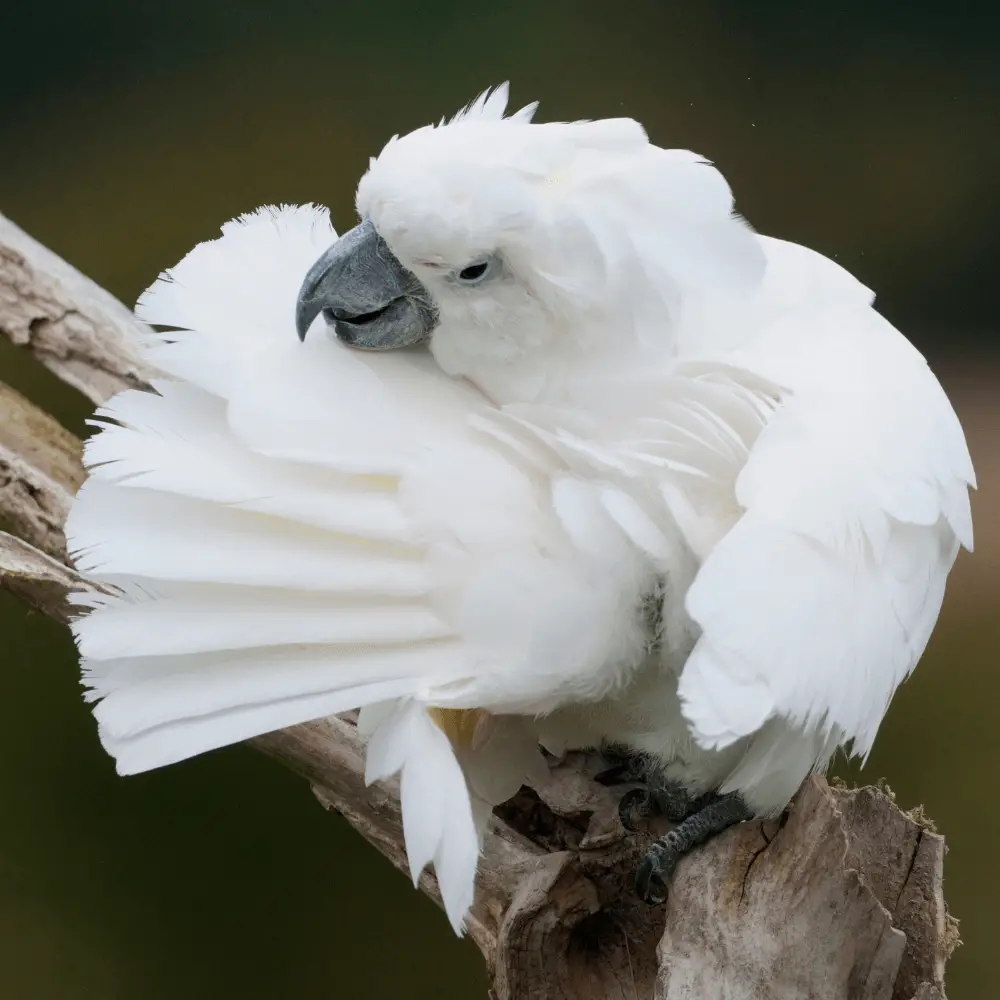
<point>840,900</point>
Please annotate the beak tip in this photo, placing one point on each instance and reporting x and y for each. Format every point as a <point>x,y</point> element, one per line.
<point>305,313</point>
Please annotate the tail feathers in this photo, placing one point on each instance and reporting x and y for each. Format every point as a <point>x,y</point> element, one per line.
<point>455,766</point>
<point>438,823</point>
<point>187,737</point>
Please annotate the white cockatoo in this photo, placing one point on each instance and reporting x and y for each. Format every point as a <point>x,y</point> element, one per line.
<point>611,468</point>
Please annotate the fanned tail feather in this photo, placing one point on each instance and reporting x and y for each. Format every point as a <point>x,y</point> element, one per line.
<point>256,520</point>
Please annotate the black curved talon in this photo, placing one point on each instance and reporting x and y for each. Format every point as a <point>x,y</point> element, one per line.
<point>698,818</point>
<point>722,812</point>
<point>659,798</point>
<point>633,807</point>
<point>650,884</point>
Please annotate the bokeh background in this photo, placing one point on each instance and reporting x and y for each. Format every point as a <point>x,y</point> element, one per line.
<point>129,130</point>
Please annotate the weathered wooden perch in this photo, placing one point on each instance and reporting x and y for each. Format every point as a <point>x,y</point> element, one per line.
<point>841,901</point>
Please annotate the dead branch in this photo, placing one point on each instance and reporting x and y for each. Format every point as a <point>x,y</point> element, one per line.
<point>842,900</point>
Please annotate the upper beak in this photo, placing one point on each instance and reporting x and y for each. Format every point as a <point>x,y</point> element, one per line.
<point>371,300</point>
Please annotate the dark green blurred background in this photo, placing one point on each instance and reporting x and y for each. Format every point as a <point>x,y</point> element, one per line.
<point>130,129</point>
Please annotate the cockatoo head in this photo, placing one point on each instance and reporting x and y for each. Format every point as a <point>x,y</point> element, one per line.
<point>501,242</point>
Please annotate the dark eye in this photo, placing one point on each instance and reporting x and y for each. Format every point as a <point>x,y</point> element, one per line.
<point>474,271</point>
<point>483,269</point>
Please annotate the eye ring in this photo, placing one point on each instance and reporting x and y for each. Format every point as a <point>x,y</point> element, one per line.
<point>477,271</point>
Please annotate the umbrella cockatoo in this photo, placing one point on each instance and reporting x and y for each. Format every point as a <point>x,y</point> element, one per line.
<point>581,460</point>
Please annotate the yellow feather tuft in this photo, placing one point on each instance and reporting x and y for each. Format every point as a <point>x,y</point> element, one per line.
<point>465,727</point>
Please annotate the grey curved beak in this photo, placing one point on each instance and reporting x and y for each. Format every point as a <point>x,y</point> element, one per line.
<point>368,297</point>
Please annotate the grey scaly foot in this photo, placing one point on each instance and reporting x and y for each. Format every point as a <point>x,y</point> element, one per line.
<point>656,868</point>
<point>660,797</point>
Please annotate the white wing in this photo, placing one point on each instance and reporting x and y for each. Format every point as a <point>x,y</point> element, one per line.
<point>296,530</point>
<point>821,599</point>
<point>816,470</point>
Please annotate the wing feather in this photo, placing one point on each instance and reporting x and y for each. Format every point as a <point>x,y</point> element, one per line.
<point>854,501</point>
<point>294,530</point>
<point>815,468</point>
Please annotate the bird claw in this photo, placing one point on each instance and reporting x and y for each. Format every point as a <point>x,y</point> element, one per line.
<point>659,798</point>
<point>633,807</point>
<point>698,818</point>
<point>718,814</point>
<point>650,884</point>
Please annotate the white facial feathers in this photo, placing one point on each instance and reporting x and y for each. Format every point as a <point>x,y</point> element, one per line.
<point>590,225</point>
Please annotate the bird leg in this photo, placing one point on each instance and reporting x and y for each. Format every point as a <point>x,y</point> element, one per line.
<point>699,818</point>
<point>660,798</point>
<point>720,813</point>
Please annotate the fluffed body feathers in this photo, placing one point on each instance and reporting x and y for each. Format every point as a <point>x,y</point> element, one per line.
<point>648,405</point>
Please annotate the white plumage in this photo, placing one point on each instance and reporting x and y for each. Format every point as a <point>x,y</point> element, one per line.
<point>299,529</point>
<point>650,399</point>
